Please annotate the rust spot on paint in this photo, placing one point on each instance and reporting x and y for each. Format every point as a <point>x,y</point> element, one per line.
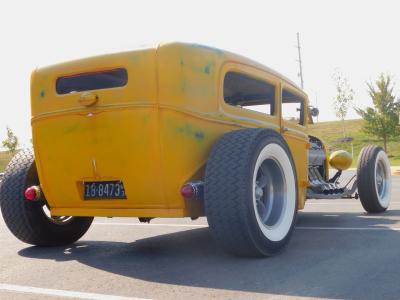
<point>188,130</point>
<point>184,86</point>
<point>199,136</point>
<point>71,129</point>
<point>209,68</point>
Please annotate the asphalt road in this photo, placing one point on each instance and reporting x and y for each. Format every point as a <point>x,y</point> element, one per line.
<point>337,251</point>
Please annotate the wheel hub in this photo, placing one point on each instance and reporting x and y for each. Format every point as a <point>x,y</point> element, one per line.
<point>269,191</point>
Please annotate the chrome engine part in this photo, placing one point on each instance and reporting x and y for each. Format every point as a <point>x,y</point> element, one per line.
<point>317,156</point>
<point>320,187</point>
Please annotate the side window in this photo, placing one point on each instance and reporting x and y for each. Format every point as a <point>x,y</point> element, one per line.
<point>292,107</point>
<point>244,91</point>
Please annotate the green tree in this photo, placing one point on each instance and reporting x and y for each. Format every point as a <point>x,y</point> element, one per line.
<point>382,119</point>
<point>344,97</point>
<point>11,142</point>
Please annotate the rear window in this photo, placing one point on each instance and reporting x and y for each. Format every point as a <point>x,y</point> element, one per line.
<point>92,81</point>
<point>247,92</point>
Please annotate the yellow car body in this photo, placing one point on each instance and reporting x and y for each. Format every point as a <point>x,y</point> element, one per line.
<point>154,133</point>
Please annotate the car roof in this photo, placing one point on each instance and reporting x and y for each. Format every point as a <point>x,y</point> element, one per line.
<point>230,56</point>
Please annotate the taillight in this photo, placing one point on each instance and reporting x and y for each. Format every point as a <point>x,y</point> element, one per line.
<point>32,193</point>
<point>193,190</point>
<point>188,191</point>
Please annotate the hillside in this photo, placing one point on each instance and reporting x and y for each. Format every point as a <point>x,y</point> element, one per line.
<point>4,159</point>
<point>331,133</point>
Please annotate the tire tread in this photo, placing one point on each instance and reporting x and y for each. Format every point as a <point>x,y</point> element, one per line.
<point>366,179</point>
<point>226,190</point>
<point>26,220</point>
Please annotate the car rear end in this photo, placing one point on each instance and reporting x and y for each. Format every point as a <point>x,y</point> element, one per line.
<point>95,135</point>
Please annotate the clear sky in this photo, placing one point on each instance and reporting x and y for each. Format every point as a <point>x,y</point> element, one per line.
<point>360,38</point>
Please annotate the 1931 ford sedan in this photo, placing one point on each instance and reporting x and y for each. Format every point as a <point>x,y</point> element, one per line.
<point>178,130</point>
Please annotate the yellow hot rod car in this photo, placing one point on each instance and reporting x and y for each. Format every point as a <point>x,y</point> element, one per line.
<point>177,130</point>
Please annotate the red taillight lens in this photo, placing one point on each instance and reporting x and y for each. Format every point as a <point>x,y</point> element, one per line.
<point>188,191</point>
<point>32,193</point>
<point>193,190</point>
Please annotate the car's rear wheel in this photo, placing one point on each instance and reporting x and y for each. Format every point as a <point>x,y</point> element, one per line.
<point>251,192</point>
<point>30,221</point>
<point>374,179</point>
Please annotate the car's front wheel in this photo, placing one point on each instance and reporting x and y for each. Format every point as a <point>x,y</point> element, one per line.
<point>374,179</point>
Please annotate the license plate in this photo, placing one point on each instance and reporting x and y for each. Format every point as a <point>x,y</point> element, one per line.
<point>104,190</point>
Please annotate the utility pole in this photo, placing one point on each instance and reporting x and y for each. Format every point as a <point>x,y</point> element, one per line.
<point>301,68</point>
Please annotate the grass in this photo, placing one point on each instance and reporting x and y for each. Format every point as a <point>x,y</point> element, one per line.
<point>331,133</point>
<point>4,159</point>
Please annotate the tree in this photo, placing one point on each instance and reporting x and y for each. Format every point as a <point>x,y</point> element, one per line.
<point>343,99</point>
<point>11,142</point>
<point>382,119</point>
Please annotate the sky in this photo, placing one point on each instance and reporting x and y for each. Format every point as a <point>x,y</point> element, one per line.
<point>359,38</point>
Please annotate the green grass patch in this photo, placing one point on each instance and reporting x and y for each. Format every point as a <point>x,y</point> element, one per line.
<point>5,157</point>
<point>331,134</point>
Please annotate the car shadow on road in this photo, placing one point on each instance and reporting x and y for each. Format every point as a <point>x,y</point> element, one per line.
<point>317,263</point>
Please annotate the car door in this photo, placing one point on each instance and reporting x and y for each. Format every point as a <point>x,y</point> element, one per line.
<point>294,129</point>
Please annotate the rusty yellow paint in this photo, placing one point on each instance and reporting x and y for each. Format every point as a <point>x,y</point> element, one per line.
<point>154,134</point>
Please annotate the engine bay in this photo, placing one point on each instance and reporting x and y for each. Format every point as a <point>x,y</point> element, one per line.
<point>320,185</point>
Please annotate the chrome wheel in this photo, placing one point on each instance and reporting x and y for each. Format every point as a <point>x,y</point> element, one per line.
<point>59,220</point>
<point>269,192</point>
<point>274,192</point>
<point>382,179</point>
